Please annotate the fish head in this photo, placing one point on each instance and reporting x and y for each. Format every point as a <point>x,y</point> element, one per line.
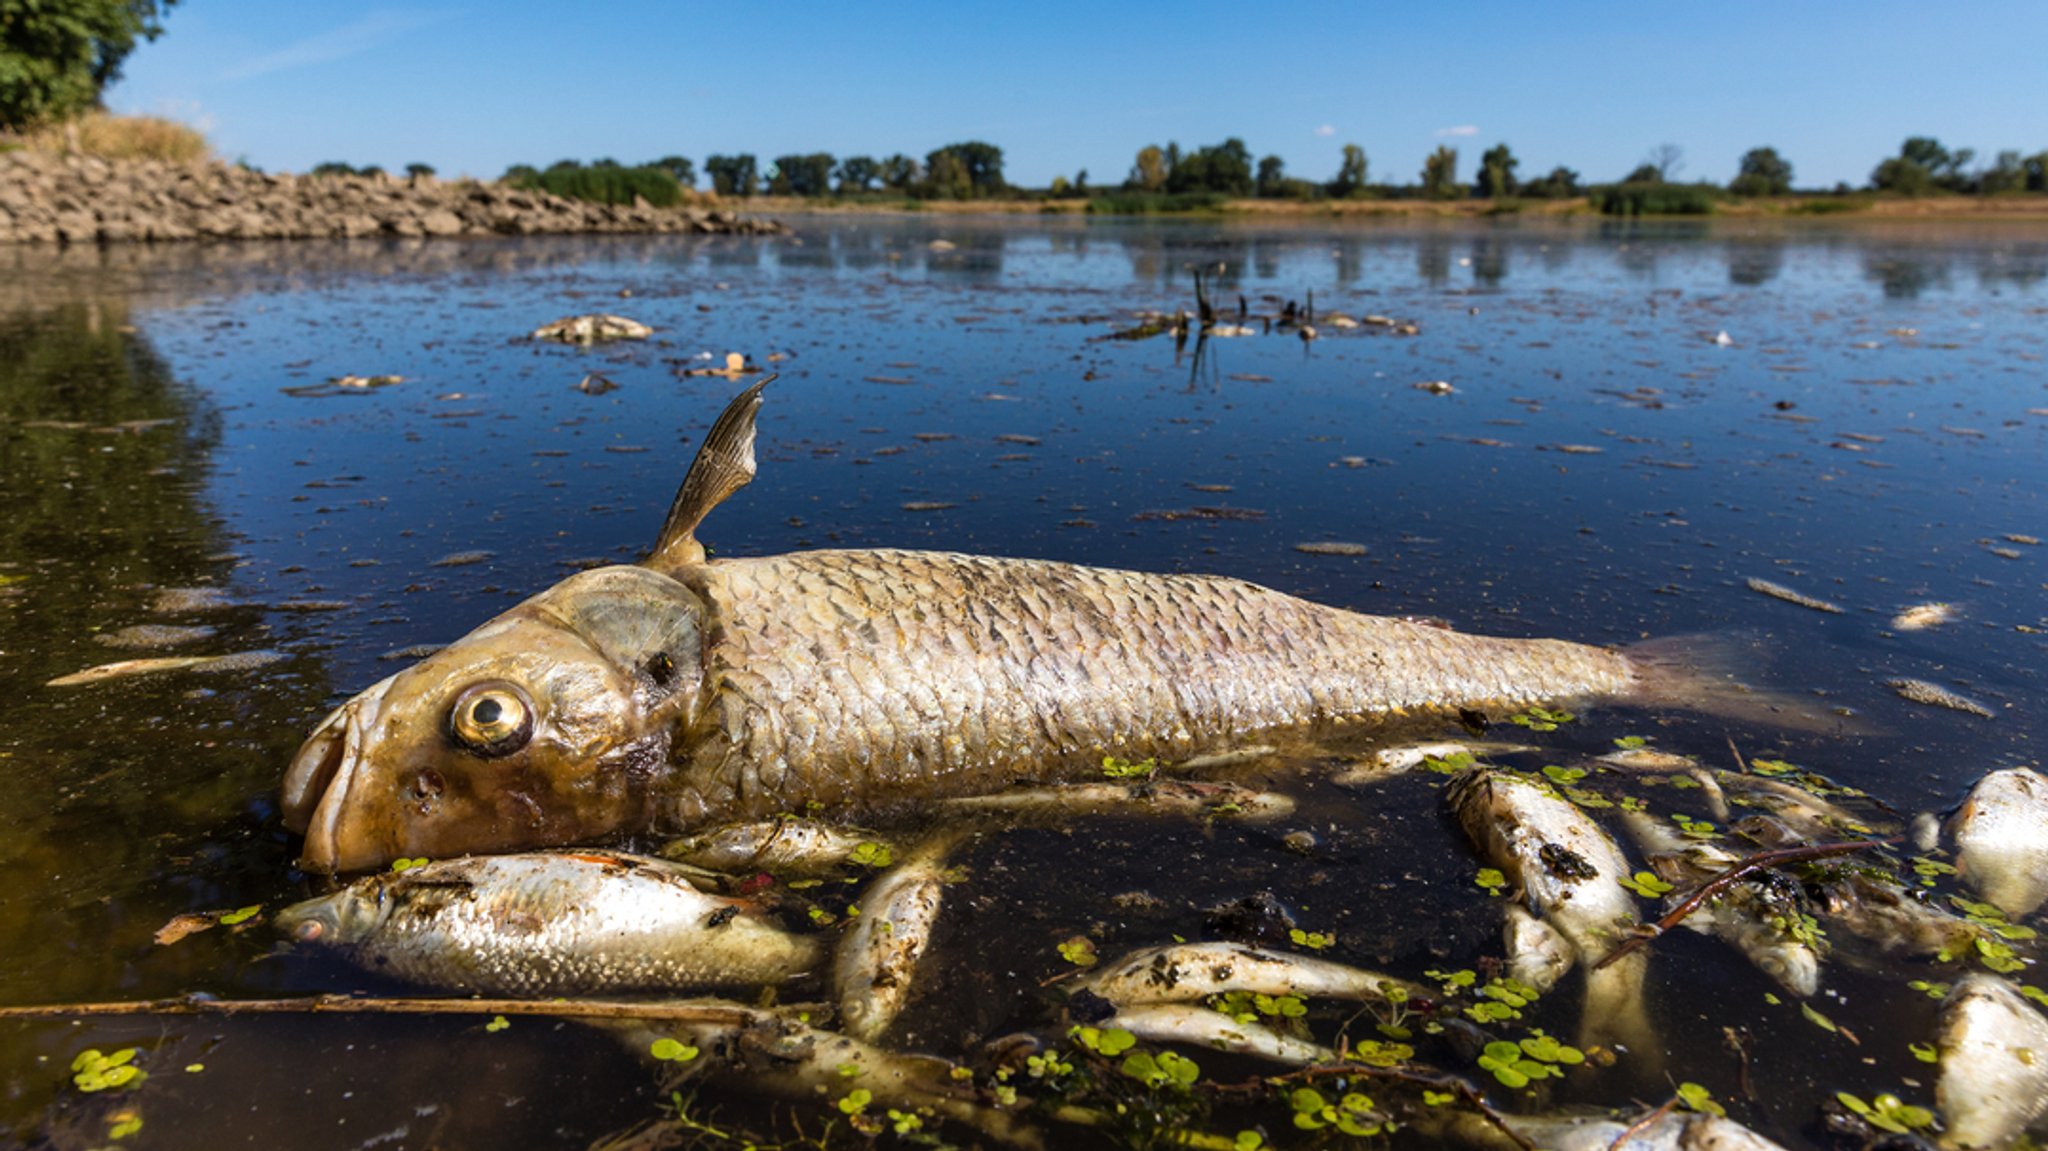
<point>337,919</point>
<point>549,725</point>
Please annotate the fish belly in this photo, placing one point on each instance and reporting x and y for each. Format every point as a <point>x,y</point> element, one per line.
<point>865,677</point>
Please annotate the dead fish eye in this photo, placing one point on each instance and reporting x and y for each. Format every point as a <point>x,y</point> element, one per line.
<point>491,719</point>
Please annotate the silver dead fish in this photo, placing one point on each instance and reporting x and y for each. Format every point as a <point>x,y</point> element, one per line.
<point>1994,1064</point>
<point>1568,871</point>
<point>1182,972</point>
<point>2001,838</point>
<point>590,329</point>
<point>546,924</point>
<point>1767,919</point>
<point>790,846</point>
<point>686,691</point>
<point>876,967</point>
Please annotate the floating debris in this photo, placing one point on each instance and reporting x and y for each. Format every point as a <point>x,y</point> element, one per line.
<point>309,605</point>
<point>123,669</point>
<point>736,365</point>
<point>190,600</point>
<point>1935,695</point>
<point>1331,548</point>
<point>927,505</point>
<point>461,559</point>
<point>592,329</point>
<point>1922,616</point>
<point>1435,387</point>
<point>1202,513</point>
<point>1780,591</point>
<point>1571,449</point>
<point>1722,340</point>
<point>365,382</point>
<point>415,651</point>
<point>593,384</point>
<point>153,635</point>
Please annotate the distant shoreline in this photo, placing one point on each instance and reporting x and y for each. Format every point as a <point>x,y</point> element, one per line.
<point>1851,207</point>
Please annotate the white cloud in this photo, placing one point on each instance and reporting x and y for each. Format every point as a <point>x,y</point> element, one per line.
<point>334,44</point>
<point>1326,130</point>
<point>1460,130</point>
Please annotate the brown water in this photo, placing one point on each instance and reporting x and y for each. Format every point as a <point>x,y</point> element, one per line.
<point>1872,434</point>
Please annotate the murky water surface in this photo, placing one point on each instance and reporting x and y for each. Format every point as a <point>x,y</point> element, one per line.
<point>1607,466</point>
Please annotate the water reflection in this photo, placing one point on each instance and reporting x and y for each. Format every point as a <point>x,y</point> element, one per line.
<point>1754,261</point>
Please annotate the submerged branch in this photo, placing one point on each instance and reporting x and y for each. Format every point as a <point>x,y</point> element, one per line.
<point>1761,861</point>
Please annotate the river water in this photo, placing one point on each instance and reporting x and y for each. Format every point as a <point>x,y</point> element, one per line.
<point>1639,419</point>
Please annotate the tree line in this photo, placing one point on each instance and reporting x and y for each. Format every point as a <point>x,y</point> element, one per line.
<point>974,170</point>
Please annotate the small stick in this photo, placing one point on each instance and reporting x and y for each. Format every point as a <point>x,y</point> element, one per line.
<point>1762,861</point>
<point>347,1005</point>
<point>1741,765</point>
<point>1662,1110</point>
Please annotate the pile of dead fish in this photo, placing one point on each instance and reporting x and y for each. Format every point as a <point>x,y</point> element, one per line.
<point>1787,867</point>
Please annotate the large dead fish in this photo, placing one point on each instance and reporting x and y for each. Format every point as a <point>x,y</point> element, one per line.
<point>2001,837</point>
<point>684,691</point>
<point>1994,1064</point>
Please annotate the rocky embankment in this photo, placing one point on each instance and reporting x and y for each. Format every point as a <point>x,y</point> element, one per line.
<point>82,199</point>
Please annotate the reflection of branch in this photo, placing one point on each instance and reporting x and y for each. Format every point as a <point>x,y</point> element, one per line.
<point>1201,350</point>
<point>1762,861</point>
<point>689,1012</point>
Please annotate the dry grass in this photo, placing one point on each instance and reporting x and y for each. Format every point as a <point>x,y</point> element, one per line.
<point>121,138</point>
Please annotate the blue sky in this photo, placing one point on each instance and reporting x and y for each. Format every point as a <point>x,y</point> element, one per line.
<point>472,88</point>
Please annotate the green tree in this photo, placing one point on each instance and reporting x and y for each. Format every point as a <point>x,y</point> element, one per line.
<point>418,169</point>
<point>1644,174</point>
<point>525,175</point>
<point>2007,173</point>
<point>809,174</point>
<point>57,56</point>
<point>1496,176</point>
<point>1561,184</point>
<point>1272,177</point>
<point>2036,167</point>
<point>732,175</point>
<point>680,167</point>
<point>1224,168</point>
<point>857,174</point>
<point>1668,159</point>
<point>1923,165</point>
<point>1149,172</point>
<point>900,172</point>
<point>980,164</point>
<point>1350,179</point>
<point>1762,173</point>
<point>1440,174</point>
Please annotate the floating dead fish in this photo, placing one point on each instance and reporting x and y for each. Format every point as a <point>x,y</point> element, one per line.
<point>594,384</point>
<point>1993,1078</point>
<point>1211,1030</point>
<point>190,600</point>
<point>1151,797</point>
<point>1537,953</point>
<point>1810,815</point>
<point>876,968</point>
<point>591,329</point>
<point>787,846</point>
<point>1893,920</point>
<point>1186,972</point>
<point>1780,591</point>
<point>1935,695</point>
<point>1391,761</point>
<point>1661,1130</point>
<point>461,559</point>
<point>685,691</point>
<point>158,635</point>
<point>1920,617</point>
<point>365,382</point>
<point>2001,838</point>
<point>123,669</point>
<point>1568,871</point>
<point>548,924</point>
<point>1765,917</point>
<point>1435,387</point>
<point>1331,548</point>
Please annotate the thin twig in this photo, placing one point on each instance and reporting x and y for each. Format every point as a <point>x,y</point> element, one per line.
<point>719,1014</point>
<point>1762,861</point>
<point>1661,1111</point>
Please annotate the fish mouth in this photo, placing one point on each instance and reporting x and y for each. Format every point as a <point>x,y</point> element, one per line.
<point>316,788</point>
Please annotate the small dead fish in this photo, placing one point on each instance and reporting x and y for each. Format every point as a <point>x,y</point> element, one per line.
<point>1569,872</point>
<point>1935,695</point>
<point>1648,759</point>
<point>190,600</point>
<point>148,635</point>
<point>2001,838</point>
<point>1152,797</point>
<point>364,383</point>
<point>1764,918</point>
<point>1198,1026</point>
<point>1780,591</point>
<point>788,846</point>
<point>1391,761</point>
<point>1184,972</point>
<point>1893,919</point>
<point>461,559</point>
<point>1671,1131</point>
<point>1538,954</point>
<point>1813,818</point>
<point>1993,1079</point>
<point>876,968</point>
<point>548,924</point>
<point>1331,548</point>
<point>591,329</point>
<point>122,669</point>
<point>1920,617</point>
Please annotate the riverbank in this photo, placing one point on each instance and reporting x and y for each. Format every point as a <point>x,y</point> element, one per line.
<point>1857,206</point>
<point>47,199</point>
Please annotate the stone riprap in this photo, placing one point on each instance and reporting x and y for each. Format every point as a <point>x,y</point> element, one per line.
<point>82,199</point>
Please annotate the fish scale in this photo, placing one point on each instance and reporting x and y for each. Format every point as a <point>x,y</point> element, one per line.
<point>837,676</point>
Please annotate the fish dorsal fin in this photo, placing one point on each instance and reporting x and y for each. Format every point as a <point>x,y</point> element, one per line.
<point>723,466</point>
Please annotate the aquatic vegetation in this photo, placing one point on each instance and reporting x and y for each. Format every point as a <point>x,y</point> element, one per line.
<point>94,1070</point>
<point>1889,1113</point>
<point>1539,1056</point>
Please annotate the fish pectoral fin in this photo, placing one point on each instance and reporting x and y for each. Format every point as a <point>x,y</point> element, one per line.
<point>724,465</point>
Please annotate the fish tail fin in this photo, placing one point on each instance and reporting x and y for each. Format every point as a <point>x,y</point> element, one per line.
<point>1700,673</point>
